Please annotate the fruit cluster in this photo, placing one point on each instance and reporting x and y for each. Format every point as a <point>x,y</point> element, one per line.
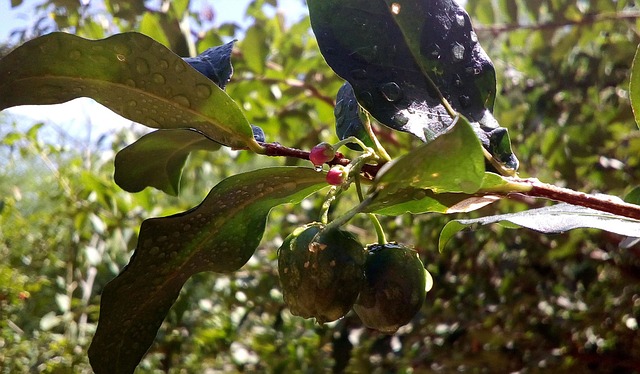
<point>326,272</point>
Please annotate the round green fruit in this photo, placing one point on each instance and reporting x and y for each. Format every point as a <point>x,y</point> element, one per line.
<point>321,272</point>
<point>395,288</point>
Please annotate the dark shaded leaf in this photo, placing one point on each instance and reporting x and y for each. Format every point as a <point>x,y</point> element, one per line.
<point>258,133</point>
<point>553,219</point>
<point>396,55</point>
<point>156,160</point>
<point>219,235</point>
<point>214,63</point>
<point>349,121</point>
<point>130,74</point>
<point>401,56</point>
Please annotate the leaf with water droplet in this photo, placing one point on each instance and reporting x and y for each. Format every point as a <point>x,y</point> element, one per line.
<point>156,159</point>
<point>400,55</point>
<point>219,235</point>
<point>214,63</point>
<point>120,70</point>
<point>350,117</point>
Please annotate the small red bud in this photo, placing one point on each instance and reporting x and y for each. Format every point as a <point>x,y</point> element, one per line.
<point>322,153</point>
<point>337,175</point>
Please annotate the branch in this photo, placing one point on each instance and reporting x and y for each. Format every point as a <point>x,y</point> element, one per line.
<point>529,187</point>
<point>609,204</point>
<point>278,150</point>
<point>587,20</point>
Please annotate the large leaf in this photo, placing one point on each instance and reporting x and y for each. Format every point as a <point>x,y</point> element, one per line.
<point>454,162</point>
<point>156,159</point>
<point>553,219</point>
<point>403,56</point>
<point>419,200</point>
<point>397,54</point>
<point>219,235</point>
<point>634,87</point>
<point>130,74</point>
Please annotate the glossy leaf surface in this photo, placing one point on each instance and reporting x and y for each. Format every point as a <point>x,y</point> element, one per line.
<point>397,55</point>
<point>553,219</point>
<point>129,73</point>
<point>219,235</point>
<point>453,162</point>
<point>156,160</point>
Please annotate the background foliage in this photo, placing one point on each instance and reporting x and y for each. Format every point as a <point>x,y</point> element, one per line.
<point>503,300</point>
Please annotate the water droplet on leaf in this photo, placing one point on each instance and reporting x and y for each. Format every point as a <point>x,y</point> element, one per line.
<point>182,100</point>
<point>158,78</point>
<point>391,91</point>
<point>75,54</point>
<point>460,19</point>
<point>142,66</point>
<point>203,91</point>
<point>458,51</point>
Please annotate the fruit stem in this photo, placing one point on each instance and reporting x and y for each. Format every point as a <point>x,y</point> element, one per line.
<point>377,147</point>
<point>382,238</point>
<point>324,210</point>
<point>350,214</point>
<point>350,139</point>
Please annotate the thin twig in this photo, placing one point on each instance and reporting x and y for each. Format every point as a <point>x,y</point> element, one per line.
<point>587,20</point>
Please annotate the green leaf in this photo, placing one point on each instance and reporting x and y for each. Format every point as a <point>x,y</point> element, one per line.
<point>553,219</point>
<point>417,200</point>
<point>129,73</point>
<point>634,86</point>
<point>219,235</point>
<point>255,48</point>
<point>156,160</point>
<point>454,162</point>
<point>633,197</point>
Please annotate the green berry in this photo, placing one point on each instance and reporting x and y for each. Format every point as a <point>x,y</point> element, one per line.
<point>395,288</point>
<point>321,272</point>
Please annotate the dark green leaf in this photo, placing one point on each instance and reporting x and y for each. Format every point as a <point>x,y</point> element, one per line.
<point>349,117</point>
<point>214,63</point>
<point>454,162</point>
<point>553,219</point>
<point>156,160</point>
<point>219,235</point>
<point>634,86</point>
<point>633,197</point>
<point>398,54</point>
<point>130,74</point>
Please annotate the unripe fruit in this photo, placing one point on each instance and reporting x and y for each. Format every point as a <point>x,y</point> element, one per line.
<point>395,287</point>
<point>321,275</point>
<point>337,175</point>
<point>322,153</point>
